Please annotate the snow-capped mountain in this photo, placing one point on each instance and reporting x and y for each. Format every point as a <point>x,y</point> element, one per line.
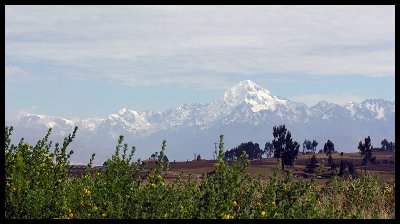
<point>246,112</point>
<point>253,95</point>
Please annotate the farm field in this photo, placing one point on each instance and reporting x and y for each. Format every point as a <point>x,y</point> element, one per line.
<point>266,166</point>
<point>41,184</point>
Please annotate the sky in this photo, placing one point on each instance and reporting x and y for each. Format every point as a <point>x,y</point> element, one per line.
<point>78,62</point>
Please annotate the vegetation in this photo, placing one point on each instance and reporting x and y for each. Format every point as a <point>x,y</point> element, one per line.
<point>269,149</point>
<point>329,147</point>
<point>284,147</point>
<point>155,155</point>
<point>387,146</point>
<point>312,164</point>
<point>252,150</point>
<point>38,186</point>
<point>310,146</point>
<point>366,150</point>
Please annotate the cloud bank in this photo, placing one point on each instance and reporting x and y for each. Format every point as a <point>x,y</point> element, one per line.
<point>200,46</point>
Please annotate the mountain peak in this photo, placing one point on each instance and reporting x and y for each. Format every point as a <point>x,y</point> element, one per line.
<point>251,94</point>
<point>249,86</point>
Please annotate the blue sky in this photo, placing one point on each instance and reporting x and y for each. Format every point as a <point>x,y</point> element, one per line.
<point>85,61</point>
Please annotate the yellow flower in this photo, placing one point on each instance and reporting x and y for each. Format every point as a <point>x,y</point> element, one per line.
<point>8,184</point>
<point>259,204</point>
<point>263,213</point>
<point>71,215</point>
<point>165,215</point>
<point>181,207</point>
<point>104,215</point>
<point>159,177</point>
<point>87,192</point>
<point>49,158</point>
<point>59,181</point>
<point>153,185</point>
<point>273,203</point>
<point>95,208</point>
<point>227,216</point>
<point>14,189</point>
<point>234,204</point>
<point>82,202</point>
<point>52,166</point>
<point>319,203</point>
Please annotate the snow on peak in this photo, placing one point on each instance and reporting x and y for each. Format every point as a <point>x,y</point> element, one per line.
<point>129,119</point>
<point>323,103</point>
<point>376,106</point>
<point>351,106</point>
<point>123,111</point>
<point>252,94</point>
<point>46,120</point>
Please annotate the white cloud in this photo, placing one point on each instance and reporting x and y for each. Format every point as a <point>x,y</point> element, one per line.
<point>153,44</point>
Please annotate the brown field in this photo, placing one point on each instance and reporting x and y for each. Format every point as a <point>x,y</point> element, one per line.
<point>266,167</point>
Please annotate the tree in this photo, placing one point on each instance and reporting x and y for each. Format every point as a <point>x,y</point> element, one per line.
<point>392,146</point>
<point>251,149</point>
<point>331,162</point>
<point>342,168</point>
<point>387,146</point>
<point>310,146</point>
<point>384,144</point>
<point>284,147</point>
<point>198,157</point>
<point>312,164</point>
<point>154,155</point>
<point>329,147</point>
<point>269,149</point>
<point>165,159</point>
<point>352,168</point>
<point>304,146</point>
<point>314,160</point>
<point>314,145</point>
<point>366,150</point>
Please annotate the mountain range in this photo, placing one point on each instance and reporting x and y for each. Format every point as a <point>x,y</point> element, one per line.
<point>246,112</point>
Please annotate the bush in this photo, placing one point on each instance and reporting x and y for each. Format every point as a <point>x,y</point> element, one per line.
<point>312,164</point>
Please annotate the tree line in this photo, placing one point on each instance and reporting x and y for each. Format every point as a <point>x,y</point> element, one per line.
<point>284,148</point>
